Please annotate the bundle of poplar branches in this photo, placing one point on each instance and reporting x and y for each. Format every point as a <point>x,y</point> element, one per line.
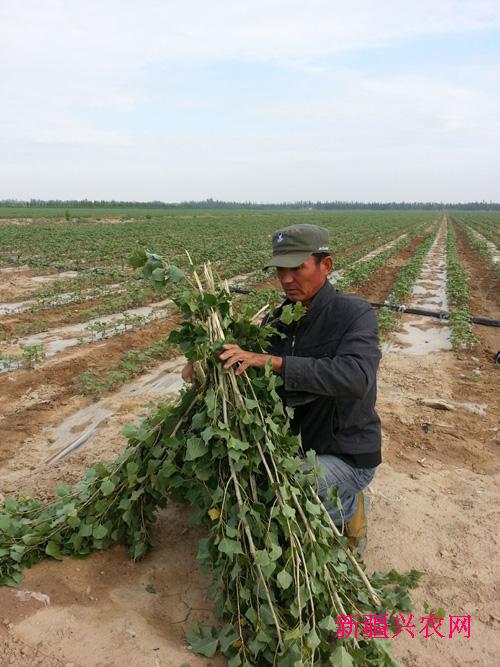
<point>282,573</point>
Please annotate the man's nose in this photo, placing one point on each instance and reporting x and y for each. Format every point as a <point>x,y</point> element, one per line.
<point>285,276</point>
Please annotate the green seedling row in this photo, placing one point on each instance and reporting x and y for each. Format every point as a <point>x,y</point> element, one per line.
<point>95,383</point>
<point>404,283</point>
<point>480,246</point>
<point>457,287</point>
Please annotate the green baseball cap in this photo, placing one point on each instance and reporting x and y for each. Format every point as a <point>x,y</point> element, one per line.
<point>293,245</point>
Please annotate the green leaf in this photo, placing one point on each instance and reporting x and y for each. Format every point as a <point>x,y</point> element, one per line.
<point>340,658</point>
<point>328,623</point>
<point>158,275</point>
<point>17,552</point>
<point>136,494</point>
<point>227,636</point>
<point>284,579</point>
<point>275,552</point>
<point>86,529</point>
<point>202,641</point>
<point>292,635</point>
<point>229,547</point>
<point>5,523</point>
<point>129,431</point>
<point>63,490</point>
<point>288,512</point>
<point>52,549</point>
<point>313,508</point>
<point>210,402</point>
<point>107,487</point>
<point>132,468</point>
<point>150,266</point>
<point>292,313</point>
<point>99,532</point>
<point>195,448</point>
<point>199,420</point>
<point>175,274</point>
<point>262,557</point>
<point>209,299</point>
<point>10,504</point>
<point>137,258</point>
<point>234,443</point>
<point>314,640</point>
<point>207,434</point>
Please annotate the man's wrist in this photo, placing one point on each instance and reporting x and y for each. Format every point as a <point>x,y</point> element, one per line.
<point>277,364</point>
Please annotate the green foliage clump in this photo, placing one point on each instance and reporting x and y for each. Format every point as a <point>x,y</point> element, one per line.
<point>457,287</point>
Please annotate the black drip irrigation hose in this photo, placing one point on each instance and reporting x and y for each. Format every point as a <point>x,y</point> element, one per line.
<point>439,314</point>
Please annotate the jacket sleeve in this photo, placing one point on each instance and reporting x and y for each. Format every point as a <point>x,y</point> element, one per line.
<point>350,373</point>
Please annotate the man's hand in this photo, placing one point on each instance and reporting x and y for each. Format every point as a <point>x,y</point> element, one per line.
<point>233,354</point>
<point>188,373</point>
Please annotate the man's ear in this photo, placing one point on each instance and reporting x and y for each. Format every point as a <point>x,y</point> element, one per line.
<point>328,263</point>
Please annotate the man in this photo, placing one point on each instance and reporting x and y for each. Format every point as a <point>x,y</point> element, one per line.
<point>328,362</point>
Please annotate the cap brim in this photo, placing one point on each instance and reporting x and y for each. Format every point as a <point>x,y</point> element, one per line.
<point>288,261</point>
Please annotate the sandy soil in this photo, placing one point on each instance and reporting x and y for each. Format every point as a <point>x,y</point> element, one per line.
<point>19,283</point>
<point>434,507</point>
<point>22,283</point>
<point>31,399</point>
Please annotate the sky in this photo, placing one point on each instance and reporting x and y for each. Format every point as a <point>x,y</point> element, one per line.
<point>250,100</point>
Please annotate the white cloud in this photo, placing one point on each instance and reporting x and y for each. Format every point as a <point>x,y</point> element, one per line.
<point>108,32</point>
<point>66,63</point>
<point>79,136</point>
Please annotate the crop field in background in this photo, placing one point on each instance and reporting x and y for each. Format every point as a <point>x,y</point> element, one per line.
<point>84,348</point>
<point>235,241</point>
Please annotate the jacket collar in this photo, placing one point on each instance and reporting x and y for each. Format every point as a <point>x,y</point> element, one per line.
<point>323,296</point>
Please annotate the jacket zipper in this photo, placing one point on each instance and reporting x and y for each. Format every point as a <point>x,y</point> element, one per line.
<point>296,326</point>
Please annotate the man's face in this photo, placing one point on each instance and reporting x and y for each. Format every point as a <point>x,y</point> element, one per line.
<point>302,282</point>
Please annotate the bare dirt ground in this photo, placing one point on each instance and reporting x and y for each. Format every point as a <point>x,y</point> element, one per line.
<point>434,507</point>
<point>18,283</point>
<point>21,283</point>
<point>435,497</point>
<point>31,399</point>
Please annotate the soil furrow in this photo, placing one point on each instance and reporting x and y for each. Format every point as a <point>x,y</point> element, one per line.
<point>31,399</point>
<point>378,286</point>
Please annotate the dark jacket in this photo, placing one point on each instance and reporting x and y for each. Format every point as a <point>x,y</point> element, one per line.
<point>330,361</point>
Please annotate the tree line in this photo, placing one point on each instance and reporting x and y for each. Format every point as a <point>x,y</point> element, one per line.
<point>301,205</point>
